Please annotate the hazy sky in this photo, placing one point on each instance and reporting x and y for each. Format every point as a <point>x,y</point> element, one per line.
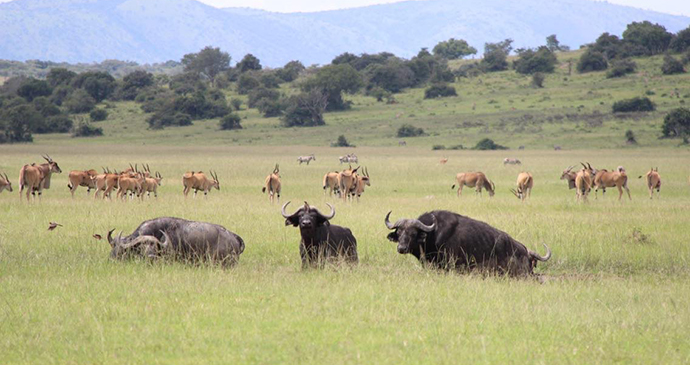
<point>680,7</point>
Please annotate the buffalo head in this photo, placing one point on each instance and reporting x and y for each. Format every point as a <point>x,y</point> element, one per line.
<point>307,218</point>
<point>409,232</point>
<point>124,247</point>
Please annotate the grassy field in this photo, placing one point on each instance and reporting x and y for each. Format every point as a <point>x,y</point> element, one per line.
<point>616,289</point>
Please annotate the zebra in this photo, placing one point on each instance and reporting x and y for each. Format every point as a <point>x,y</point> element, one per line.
<point>306,159</point>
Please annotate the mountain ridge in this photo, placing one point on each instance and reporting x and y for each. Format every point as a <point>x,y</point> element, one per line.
<point>140,30</point>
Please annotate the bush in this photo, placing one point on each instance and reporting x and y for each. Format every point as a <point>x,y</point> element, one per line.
<point>672,66</point>
<point>439,91</point>
<point>246,83</point>
<point>620,68</point>
<point>305,109</point>
<point>80,102</point>
<point>469,70</point>
<point>271,108</point>
<point>677,123</point>
<point>85,129</point>
<point>230,121</point>
<point>164,119</point>
<point>438,147</point>
<point>33,88</point>
<point>638,104</point>
<point>538,79</point>
<point>592,61</point>
<point>259,94</point>
<point>488,144</point>
<point>98,115</point>
<point>341,142</point>
<point>630,137</point>
<point>236,103</point>
<point>408,130</point>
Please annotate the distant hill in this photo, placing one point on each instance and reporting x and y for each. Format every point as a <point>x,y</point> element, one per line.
<point>148,31</point>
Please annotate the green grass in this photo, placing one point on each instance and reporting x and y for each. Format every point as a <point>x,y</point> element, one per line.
<point>608,296</point>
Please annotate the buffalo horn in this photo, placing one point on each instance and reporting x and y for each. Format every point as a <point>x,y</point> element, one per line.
<point>389,225</point>
<point>424,227</point>
<point>166,240</point>
<point>282,210</point>
<point>540,258</point>
<point>110,236</point>
<point>139,240</point>
<point>327,217</point>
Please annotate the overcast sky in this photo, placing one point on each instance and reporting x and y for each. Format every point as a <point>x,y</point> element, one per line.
<point>679,7</point>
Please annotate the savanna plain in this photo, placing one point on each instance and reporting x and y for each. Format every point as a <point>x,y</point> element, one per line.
<point>615,291</point>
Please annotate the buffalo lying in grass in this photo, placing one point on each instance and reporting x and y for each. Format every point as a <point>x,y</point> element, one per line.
<point>452,241</point>
<point>180,239</point>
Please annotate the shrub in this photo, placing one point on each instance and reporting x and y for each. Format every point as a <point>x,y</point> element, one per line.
<point>469,70</point>
<point>408,130</point>
<point>236,103</point>
<point>246,83</point>
<point>58,124</point>
<point>638,104</point>
<point>531,61</point>
<point>677,123</point>
<point>305,109</point>
<point>259,94</point>
<point>488,144</point>
<point>98,115</point>
<point>438,147</point>
<point>164,119</point>
<point>341,142</point>
<point>592,61</point>
<point>439,91</point>
<point>630,137</point>
<point>620,68</point>
<point>85,129</point>
<point>230,121</point>
<point>538,79</point>
<point>33,88</point>
<point>672,66</point>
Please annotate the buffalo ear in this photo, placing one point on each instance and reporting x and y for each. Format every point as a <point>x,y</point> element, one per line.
<point>292,220</point>
<point>393,236</point>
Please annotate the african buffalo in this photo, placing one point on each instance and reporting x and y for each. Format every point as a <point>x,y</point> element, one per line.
<point>321,240</point>
<point>179,238</point>
<point>452,241</point>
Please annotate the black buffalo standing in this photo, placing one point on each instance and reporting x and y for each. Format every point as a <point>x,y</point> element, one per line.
<point>321,240</point>
<point>452,241</point>
<point>181,239</point>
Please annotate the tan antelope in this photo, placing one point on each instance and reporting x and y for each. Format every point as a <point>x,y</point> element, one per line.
<point>524,183</point>
<point>348,180</point>
<point>653,181</point>
<point>362,180</point>
<point>35,178</point>
<point>272,184</point>
<point>475,180</point>
<point>608,179</point>
<point>152,184</point>
<point>569,176</point>
<point>583,182</point>
<point>106,182</point>
<point>199,181</point>
<point>331,181</point>
<point>443,161</point>
<point>5,183</point>
<point>129,184</point>
<point>86,178</point>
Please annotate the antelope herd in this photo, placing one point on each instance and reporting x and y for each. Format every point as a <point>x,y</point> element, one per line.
<point>347,184</point>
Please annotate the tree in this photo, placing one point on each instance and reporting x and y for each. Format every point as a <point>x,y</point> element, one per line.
<point>408,130</point>
<point>538,79</point>
<point>554,45</point>
<point>341,142</point>
<point>99,85</point>
<point>60,76</point>
<point>630,137</point>
<point>80,102</point>
<point>333,80</point>
<point>230,121</point>
<point>33,88</point>
<point>290,71</point>
<point>496,56</point>
<point>134,82</point>
<point>453,49</point>
<point>488,144</point>
<point>653,37</point>
<point>249,63</point>
<point>530,61</point>
<point>592,61</point>
<point>305,109</point>
<point>681,42</point>
<point>209,62</point>
<point>258,94</point>
<point>677,123</point>
<point>85,129</point>
<point>620,68</point>
<point>17,124</point>
<point>672,66</point>
<point>392,76</point>
<point>247,82</point>
<point>98,115</point>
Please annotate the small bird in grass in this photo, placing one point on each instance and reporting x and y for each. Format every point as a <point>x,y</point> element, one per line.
<point>54,225</point>
<point>97,236</point>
